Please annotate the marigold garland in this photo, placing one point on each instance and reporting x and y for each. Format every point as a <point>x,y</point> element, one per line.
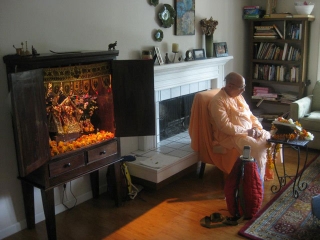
<point>85,140</point>
<point>301,135</point>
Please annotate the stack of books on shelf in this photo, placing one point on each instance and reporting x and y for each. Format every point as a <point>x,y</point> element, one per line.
<point>288,97</point>
<point>252,12</point>
<point>265,32</point>
<point>264,93</point>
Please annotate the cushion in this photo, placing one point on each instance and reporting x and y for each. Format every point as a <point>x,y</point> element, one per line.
<point>315,106</point>
<point>312,122</point>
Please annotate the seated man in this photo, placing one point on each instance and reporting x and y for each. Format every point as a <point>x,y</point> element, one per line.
<point>233,123</point>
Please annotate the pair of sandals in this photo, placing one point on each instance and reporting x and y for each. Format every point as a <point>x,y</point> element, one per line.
<point>218,220</point>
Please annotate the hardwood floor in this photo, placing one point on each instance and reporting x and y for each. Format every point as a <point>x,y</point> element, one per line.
<point>171,213</point>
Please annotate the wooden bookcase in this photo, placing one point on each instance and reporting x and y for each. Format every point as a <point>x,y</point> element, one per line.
<point>260,65</point>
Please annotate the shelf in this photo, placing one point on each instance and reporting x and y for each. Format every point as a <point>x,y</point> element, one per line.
<point>263,51</point>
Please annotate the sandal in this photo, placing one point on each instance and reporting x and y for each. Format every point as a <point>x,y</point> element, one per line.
<point>213,218</point>
<point>216,218</point>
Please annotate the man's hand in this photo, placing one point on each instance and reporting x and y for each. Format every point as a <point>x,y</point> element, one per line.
<point>254,133</point>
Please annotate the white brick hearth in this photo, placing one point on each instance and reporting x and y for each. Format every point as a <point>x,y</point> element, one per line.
<point>174,154</point>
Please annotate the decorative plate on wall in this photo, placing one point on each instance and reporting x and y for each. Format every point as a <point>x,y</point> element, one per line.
<point>167,15</point>
<point>158,35</point>
<point>154,2</point>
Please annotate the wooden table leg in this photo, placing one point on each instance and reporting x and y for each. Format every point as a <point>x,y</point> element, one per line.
<point>94,179</point>
<point>117,173</point>
<point>49,212</point>
<point>28,200</point>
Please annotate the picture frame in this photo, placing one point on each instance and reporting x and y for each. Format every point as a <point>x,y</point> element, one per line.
<point>158,54</point>
<point>220,49</point>
<point>198,54</point>
<point>185,19</point>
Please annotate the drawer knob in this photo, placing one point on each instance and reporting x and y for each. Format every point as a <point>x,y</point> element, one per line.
<point>67,165</point>
<point>103,152</point>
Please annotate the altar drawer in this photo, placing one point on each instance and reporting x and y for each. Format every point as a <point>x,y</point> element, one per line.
<point>102,152</point>
<point>66,165</point>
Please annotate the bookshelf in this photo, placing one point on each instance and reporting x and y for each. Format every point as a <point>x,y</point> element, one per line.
<point>278,54</point>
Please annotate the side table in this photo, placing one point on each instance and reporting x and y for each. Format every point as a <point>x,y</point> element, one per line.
<point>297,185</point>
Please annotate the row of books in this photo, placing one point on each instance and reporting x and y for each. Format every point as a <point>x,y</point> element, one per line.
<point>276,73</point>
<point>252,12</point>
<point>294,30</point>
<point>271,51</point>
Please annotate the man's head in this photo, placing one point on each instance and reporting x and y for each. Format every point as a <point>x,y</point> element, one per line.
<point>235,84</point>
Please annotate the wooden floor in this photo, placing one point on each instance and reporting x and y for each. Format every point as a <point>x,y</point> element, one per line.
<point>173,212</point>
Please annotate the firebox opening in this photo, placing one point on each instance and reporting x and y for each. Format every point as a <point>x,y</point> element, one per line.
<point>174,115</point>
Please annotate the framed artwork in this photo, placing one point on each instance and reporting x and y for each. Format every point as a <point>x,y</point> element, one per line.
<point>185,19</point>
<point>198,54</point>
<point>220,49</point>
<point>158,54</point>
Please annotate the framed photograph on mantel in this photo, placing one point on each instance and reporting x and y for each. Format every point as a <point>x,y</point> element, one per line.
<point>220,49</point>
<point>198,54</point>
<point>158,54</point>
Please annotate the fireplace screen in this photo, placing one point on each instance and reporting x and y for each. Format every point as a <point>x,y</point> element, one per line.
<point>174,115</point>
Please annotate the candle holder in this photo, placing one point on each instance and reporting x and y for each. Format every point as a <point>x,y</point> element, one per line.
<point>174,57</point>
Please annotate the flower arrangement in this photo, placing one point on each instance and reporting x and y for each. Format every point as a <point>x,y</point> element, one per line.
<point>297,133</point>
<point>208,26</point>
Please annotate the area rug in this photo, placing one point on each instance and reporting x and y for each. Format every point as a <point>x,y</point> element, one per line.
<point>286,217</point>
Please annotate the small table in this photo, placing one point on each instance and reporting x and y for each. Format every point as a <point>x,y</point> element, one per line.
<point>297,185</point>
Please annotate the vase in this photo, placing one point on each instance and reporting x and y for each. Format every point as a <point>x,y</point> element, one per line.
<point>209,45</point>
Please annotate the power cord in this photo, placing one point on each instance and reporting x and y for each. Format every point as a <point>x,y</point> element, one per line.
<point>65,194</point>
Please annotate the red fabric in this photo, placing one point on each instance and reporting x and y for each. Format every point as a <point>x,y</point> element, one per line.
<point>250,187</point>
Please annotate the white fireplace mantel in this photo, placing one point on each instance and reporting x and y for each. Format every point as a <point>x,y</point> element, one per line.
<point>179,74</point>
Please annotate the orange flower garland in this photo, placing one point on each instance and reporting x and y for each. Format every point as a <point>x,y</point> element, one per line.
<point>85,140</point>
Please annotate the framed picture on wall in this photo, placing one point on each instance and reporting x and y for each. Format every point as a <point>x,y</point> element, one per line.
<point>158,54</point>
<point>198,54</point>
<point>185,19</point>
<point>220,49</point>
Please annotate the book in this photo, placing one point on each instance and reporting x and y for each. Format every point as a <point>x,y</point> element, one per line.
<point>251,7</point>
<point>278,31</point>
<point>269,37</point>
<point>284,51</point>
<point>263,27</point>
<point>249,16</point>
<point>252,11</point>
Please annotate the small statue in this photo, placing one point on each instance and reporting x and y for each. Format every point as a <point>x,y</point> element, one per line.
<point>112,46</point>
<point>167,60</point>
<point>34,51</point>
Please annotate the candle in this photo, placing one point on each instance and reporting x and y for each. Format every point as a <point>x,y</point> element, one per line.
<point>175,47</point>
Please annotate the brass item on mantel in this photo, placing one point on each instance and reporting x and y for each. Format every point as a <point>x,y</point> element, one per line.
<point>21,52</point>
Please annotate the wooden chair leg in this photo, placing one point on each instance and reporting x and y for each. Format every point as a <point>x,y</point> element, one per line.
<point>202,167</point>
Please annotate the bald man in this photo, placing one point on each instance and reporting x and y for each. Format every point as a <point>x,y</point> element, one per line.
<point>233,123</point>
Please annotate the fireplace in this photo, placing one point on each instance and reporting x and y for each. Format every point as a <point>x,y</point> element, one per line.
<point>174,115</point>
<point>175,85</point>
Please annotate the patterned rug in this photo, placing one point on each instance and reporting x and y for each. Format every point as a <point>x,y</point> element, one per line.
<point>285,217</point>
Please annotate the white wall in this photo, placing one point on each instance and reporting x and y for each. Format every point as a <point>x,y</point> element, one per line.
<point>67,25</point>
